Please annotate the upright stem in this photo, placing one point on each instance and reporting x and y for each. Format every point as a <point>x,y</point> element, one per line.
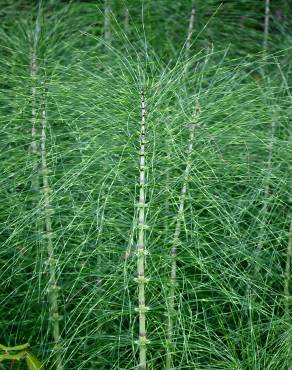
<point>190,30</point>
<point>288,270</point>
<point>35,186</point>
<point>287,275</point>
<point>266,27</point>
<point>141,244</point>
<point>175,244</point>
<point>107,21</point>
<point>53,287</point>
<point>126,20</point>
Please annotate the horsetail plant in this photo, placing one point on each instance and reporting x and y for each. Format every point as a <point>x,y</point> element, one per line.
<point>53,288</point>
<point>287,274</point>
<point>266,26</point>
<point>190,30</point>
<point>33,72</point>
<point>141,250</point>
<point>107,22</point>
<point>176,241</point>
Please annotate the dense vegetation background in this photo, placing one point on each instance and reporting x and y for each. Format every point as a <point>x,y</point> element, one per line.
<point>146,180</point>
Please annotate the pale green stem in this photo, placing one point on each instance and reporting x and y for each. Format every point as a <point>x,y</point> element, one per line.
<point>35,178</point>
<point>288,270</point>
<point>287,275</point>
<point>190,30</point>
<point>142,309</point>
<point>107,22</point>
<point>53,289</point>
<point>126,20</point>
<point>35,183</point>
<point>266,26</point>
<point>175,244</point>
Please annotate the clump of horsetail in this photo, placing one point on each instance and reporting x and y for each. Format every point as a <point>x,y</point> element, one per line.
<point>141,279</point>
<point>53,288</point>
<point>176,241</point>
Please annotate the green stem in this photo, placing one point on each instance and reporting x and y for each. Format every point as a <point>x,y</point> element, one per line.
<point>266,26</point>
<point>190,30</point>
<point>288,270</point>
<point>142,309</point>
<point>35,184</point>
<point>53,287</point>
<point>287,275</point>
<point>107,21</point>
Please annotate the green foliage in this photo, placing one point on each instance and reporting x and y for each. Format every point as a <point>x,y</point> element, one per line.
<point>231,308</point>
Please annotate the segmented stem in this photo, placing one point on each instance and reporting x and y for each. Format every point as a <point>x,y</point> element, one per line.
<point>107,21</point>
<point>53,289</point>
<point>35,183</point>
<point>141,244</point>
<point>287,275</point>
<point>266,26</point>
<point>190,29</point>
<point>126,20</point>
<point>288,269</point>
<point>175,244</point>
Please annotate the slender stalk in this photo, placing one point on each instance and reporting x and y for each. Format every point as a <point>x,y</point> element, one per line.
<point>107,21</point>
<point>126,20</point>
<point>176,242</point>
<point>53,288</point>
<point>35,186</point>
<point>266,26</point>
<point>190,30</point>
<point>287,275</point>
<point>142,309</point>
